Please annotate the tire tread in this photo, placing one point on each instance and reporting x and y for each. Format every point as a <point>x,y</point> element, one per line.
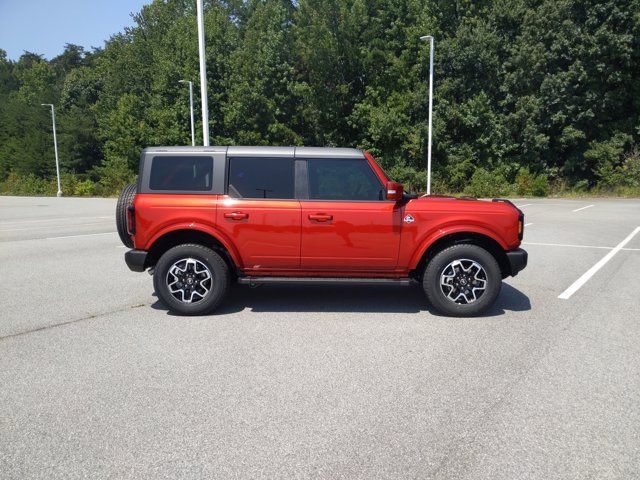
<point>125,199</point>
<point>220,271</point>
<point>431,284</point>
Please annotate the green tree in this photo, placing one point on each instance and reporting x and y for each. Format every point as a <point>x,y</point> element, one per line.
<point>261,106</point>
<point>527,92</point>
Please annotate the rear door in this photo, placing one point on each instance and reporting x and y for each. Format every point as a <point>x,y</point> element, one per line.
<point>347,223</point>
<point>259,211</point>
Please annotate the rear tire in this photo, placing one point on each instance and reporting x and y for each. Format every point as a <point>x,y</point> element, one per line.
<point>125,199</point>
<point>191,279</point>
<point>463,280</point>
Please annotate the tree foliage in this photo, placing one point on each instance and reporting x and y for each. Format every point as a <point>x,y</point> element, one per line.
<point>527,92</point>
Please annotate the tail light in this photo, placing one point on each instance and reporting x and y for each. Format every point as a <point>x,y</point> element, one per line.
<point>131,220</point>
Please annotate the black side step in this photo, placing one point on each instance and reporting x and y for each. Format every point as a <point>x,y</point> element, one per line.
<point>400,282</point>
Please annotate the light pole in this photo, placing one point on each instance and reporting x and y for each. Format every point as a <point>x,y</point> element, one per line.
<point>193,132</point>
<point>203,74</point>
<point>55,144</point>
<point>430,38</point>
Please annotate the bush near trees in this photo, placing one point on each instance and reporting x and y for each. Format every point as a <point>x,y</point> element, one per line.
<point>531,96</point>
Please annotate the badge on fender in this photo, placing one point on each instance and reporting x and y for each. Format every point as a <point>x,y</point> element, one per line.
<point>408,219</point>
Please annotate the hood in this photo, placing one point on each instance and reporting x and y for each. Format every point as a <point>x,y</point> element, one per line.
<point>432,202</point>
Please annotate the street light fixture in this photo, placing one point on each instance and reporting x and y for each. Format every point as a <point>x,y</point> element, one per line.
<point>55,144</point>
<point>430,39</point>
<point>193,132</point>
<point>203,74</point>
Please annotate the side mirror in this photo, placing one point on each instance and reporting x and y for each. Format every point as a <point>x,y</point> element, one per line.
<point>394,191</point>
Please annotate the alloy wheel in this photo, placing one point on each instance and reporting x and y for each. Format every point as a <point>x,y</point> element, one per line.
<point>189,280</point>
<point>463,281</point>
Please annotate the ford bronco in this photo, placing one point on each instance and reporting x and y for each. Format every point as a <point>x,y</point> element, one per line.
<point>200,218</point>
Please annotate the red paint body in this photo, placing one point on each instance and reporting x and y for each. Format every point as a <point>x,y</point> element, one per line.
<point>324,238</point>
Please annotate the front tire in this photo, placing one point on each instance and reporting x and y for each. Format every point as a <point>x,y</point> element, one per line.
<point>463,280</point>
<point>191,279</point>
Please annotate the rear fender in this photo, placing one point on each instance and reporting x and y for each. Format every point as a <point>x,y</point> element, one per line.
<point>199,227</point>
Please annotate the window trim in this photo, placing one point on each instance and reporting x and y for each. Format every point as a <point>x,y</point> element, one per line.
<point>375,175</point>
<point>283,157</point>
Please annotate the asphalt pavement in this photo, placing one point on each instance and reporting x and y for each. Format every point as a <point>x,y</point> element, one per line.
<point>98,380</point>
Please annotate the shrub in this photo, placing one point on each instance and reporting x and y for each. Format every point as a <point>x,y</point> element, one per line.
<point>30,185</point>
<point>86,188</point>
<point>68,183</point>
<point>540,186</point>
<point>606,157</point>
<point>487,184</point>
<point>27,185</point>
<point>629,171</point>
<point>524,182</point>
<point>114,174</point>
<point>581,186</point>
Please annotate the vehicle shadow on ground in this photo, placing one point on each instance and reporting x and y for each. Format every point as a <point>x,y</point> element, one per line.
<point>365,299</point>
<point>510,300</point>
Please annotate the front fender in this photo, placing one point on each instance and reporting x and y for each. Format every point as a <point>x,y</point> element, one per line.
<point>450,230</point>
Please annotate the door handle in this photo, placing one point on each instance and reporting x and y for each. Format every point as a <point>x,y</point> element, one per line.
<point>236,215</point>
<point>320,217</point>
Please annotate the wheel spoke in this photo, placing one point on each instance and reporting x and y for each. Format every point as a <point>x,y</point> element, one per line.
<point>189,280</point>
<point>463,281</point>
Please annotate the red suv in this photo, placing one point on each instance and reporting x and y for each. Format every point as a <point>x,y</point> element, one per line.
<point>203,217</point>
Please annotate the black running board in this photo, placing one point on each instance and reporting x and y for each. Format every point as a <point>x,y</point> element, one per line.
<point>400,282</point>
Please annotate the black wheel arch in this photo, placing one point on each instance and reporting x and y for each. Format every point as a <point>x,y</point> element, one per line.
<point>488,243</point>
<point>180,237</point>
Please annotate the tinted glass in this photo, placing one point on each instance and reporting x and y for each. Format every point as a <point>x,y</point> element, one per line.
<point>343,180</point>
<point>181,173</point>
<point>261,177</point>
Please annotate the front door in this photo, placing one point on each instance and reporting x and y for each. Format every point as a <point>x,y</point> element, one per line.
<point>260,212</point>
<point>347,223</point>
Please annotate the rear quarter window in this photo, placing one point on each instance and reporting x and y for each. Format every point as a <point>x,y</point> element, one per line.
<point>181,173</point>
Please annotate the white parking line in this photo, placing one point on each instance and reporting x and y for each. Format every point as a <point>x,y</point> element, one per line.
<point>541,204</point>
<point>565,245</point>
<point>547,203</point>
<point>570,245</point>
<point>575,286</point>
<point>582,208</point>
<point>55,227</point>
<point>4,223</point>
<point>527,224</point>
<point>84,235</point>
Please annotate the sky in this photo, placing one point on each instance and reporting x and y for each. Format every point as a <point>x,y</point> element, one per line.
<point>44,26</point>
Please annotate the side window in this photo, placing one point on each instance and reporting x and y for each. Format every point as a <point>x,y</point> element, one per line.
<point>261,178</point>
<point>349,179</point>
<point>181,173</point>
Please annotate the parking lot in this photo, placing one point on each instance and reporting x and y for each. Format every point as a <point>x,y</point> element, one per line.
<point>97,380</point>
